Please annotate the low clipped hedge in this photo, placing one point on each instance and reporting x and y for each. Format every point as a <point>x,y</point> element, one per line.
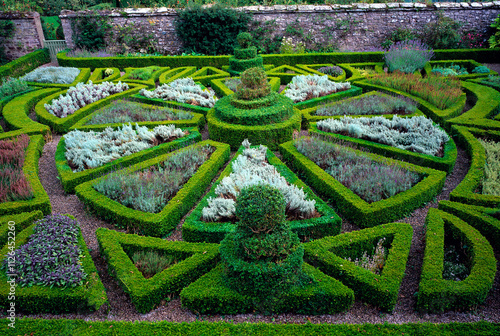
<point>445,163</point>
<point>145,328</point>
<point>238,65</point>
<point>313,69</point>
<point>270,135</point>
<point>209,295</point>
<point>82,77</point>
<point>380,290</point>
<point>7,99</point>
<point>309,114</point>
<point>40,200</point>
<point>194,229</point>
<point>469,64</point>
<point>198,120</point>
<point>25,64</point>
<point>436,294</point>
<point>284,76</point>
<point>477,217</point>
<point>206,74</point>
<point>465,192</point>
<point>55,300</point>
<point>70,179</point>
<point>194,261</point>
<point>159,224</point>
<point>222,90</point>
<point>150,83</point>
<point>353,72</point>
<point>351,205</point>
<point>62,125</point>
<point>15,113</point>
<point>484,81</point>
<point>436,114</point>
<point>19,221</point>
<point>176,73</point>
<point>487,106</point>
<point>97,75</point>
<point>353,91</point>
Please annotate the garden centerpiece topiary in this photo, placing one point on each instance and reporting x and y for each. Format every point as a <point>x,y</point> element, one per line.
<point>254,112</point>
<point>245,57</point>
<point>262,266</point>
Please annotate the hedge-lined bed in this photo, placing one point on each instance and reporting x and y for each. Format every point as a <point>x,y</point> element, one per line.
<point>353,91</point>
<point>328,254</point>
<point>350,205</point>
<point>354,72</point>
<point>70,179</point>
<point>162,223</point>
<point>313,69</point>
<point>206,74</point>
<point>54,300</point>
<point>194,260</point>
<point>25,64</point>
<point>7,99</point>
<point>195,229</point>
<point>62,125</point>
<point>150,83</point>
<point>176,73</point>
<point>21,221</point>
<point>468,64</point>
<point>98,75</point>
<point>222,90</point>
<point>40,200</point>
<point>465,192</point>
<point>285,73</point>
<point>82,77</point>
<point>436,294</point>
<point>444,163</point>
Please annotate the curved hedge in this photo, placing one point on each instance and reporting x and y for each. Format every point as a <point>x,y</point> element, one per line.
<point>150,83</point>
<point>465,192</point>
<point>285,73</point>
<point>353,72</point>
<point>70,179</point>
<point>445,163</point>
<point>222,90</point>
<point>82,77</point>
<point>54,300</point>
<point>40,200</point>
<point>21,222</point>
<point>25,64</point>
<point>206,74</point>
<point>194,229</point>
<point>176,73</point>
<point>7,99</point>
<point>351,205</point>
<point>328,254</point>
<point>97,75</point>
<point>353,91</point>
<point>209,295</point>
<point>469,64</point>
<point>313,69</point>
<point>194,260</point>
<point>436,294</point>
<point>158,224</point>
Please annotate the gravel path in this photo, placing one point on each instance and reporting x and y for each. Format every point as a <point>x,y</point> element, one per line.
<point>121,307</point>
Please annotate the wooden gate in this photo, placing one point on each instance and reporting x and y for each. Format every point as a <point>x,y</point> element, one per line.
<point>54,47</point>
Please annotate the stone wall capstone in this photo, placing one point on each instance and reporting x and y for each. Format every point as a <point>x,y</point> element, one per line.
<point>355,27</point>
<point>28,33</point>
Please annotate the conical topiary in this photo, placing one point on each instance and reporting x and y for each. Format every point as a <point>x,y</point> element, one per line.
<point>245,56</point>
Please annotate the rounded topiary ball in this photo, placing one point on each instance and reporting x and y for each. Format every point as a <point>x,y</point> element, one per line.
<point>260,208</point>
<point>244,40</point>
<point>254,78</point>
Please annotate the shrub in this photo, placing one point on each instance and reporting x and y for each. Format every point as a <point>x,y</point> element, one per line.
<point>333,71</point>
<point>90,31</point>
<point>59,75</point>
<point>51,257</point>
<point>7,29</point>
<point>253,85</point>
<point>152,189</point>
<point>491,179</point>
<point>452,70</point>
<point>182,90</point>
<point>408,56</point>
<point>244,40</point>
<point>481,69</point>
<point>143,73</point>
<point>81,95</point>
<point>211,30</point>
<point>416,134</point>
<point>12,86</point>
<point>369,180</point>
<point>13,183</point>
<point>494,39</point>
<point>442,33</point>
<point>304,87</point>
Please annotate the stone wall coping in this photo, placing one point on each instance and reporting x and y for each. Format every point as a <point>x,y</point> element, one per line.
<point>18,15</point>
<point>134,12</point>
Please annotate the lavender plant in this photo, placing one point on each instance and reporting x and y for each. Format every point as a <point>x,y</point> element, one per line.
<point>81,95</point>
<point>151,189</point>
<point>333,71</point>
<point>372,181</point>
<point>122,111</point>
<point>372,104</point>
<point>11,86</point>
<point>86,150</point>
<point>54,75</point>
<point>249,169</point>
<point>417,134</point>
<point>304,87</point>
<point>408,56</point>
<point>52,256</point>
<point>182,90</point>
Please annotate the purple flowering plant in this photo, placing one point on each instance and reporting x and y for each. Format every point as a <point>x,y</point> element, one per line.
<point>52,255</point>
<point>408,56</point>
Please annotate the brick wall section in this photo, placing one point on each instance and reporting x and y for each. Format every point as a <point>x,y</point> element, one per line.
<point>355,27</point>
<point>28,34</point>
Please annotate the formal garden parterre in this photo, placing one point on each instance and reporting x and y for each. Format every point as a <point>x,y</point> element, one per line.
<point>209,194</point>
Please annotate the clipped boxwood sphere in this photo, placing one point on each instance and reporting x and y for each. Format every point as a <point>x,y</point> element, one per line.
<point>260,208</point>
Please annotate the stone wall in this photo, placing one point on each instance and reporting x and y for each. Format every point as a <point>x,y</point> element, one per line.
<point>355,27</point>
<point>28,34</point>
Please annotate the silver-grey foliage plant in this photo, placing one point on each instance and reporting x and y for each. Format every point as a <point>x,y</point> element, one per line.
<point>81,95</point>
<point>304,87</point>
<point>54,75</point>
<point>182,90</point>
<point>417,134</point>
<point>251,168</point>
<point>92,149</point>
